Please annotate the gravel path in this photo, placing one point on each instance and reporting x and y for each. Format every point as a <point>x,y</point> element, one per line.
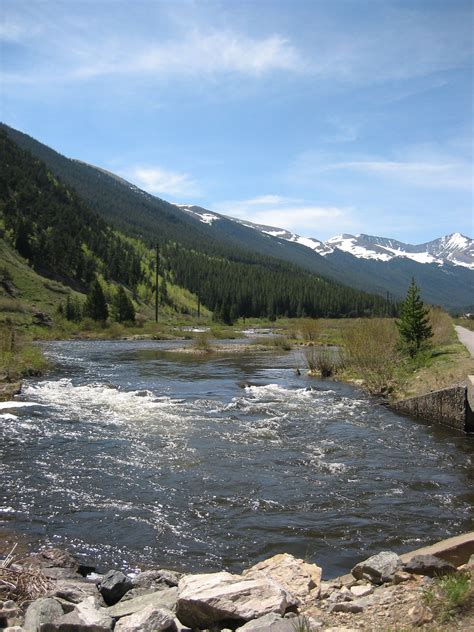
<point>466,337</point>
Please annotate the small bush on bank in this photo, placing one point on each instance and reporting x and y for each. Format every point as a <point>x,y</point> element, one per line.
<point>202,342</point>
<point>326,362</point>
<point>371,351</point>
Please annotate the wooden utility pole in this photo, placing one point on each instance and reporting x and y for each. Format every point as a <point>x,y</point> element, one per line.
<point>156,281</point>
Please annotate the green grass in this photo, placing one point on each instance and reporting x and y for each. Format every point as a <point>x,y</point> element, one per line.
<point>448,596</point>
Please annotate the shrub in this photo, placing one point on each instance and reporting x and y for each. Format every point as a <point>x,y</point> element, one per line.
<point>326,362</point>
<point>202,342</point>
<point>371,350</point>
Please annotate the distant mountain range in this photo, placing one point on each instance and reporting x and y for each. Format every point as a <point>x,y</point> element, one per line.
<point>443,268</point>
<point>454,249</point>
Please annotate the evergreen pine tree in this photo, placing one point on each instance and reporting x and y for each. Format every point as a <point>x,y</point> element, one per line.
<point>123,307</point>
<point>164,298</point>
<point>414,324</point>
<point>96,305</point>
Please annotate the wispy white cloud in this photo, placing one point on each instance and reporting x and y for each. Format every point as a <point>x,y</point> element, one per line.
<point>199,53</point>
<point>456,175</point>
<point>288,213</point>
<point>157,180</point>
<point>432,166</point>
<point>393,45</point>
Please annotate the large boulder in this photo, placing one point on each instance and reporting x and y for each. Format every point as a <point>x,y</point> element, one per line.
<point>51,561</point>
<point>300,579</point>
<point>41,611</point>
<point>150,619</point>
<point>160,599</point>
<point>206,599</point>
<point>86,617</point>
<point>379,568</point>
<point>73,590</point>
<point>113,586</point>
<point>429,565</point>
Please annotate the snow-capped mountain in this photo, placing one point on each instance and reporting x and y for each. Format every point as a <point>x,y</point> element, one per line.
<point>455,249</point>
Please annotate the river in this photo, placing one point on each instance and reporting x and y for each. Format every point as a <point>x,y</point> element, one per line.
<point>137,456</point>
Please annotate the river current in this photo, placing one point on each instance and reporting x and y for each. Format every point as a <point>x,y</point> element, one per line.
<point>136,455</point>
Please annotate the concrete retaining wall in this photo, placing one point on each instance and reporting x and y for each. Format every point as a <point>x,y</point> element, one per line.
<point>448,406</point>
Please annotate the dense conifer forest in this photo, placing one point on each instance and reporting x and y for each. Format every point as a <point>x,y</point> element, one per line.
<point>54,230</point>
<point>62,237</point>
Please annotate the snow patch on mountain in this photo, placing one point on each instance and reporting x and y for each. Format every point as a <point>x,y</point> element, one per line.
<point>202,214</point>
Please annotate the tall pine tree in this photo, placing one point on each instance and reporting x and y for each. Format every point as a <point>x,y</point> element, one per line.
<point>96,305</point>
<point>414,324</point>
<point>123,307</point>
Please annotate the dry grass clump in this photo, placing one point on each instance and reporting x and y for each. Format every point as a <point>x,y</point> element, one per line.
<point>25,584</point>
<point>202,342</point>
<point>21,584</point>
<point>326,362</point>
<point>371,351</point>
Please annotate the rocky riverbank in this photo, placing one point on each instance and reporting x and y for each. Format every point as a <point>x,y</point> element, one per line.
<point>52,591</point>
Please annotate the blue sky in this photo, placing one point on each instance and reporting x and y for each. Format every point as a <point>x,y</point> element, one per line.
<point>321,116</point>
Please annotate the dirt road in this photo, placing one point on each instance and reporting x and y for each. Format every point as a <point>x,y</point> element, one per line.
<point>466,337</point>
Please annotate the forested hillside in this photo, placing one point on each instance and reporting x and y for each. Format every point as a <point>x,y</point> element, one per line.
<point>54,230</point>
<point>62,237</point>
<point>154,220</point>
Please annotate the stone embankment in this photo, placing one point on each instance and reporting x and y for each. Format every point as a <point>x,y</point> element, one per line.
<point>52,592</point>
<point>452,406</point>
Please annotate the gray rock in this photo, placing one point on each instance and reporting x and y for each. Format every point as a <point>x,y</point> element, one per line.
<point>54,559</point>
<point>86,617</point>
<point>113,586</point>
<point>74,590</point>
<point>210,598</point>
<point>362,591</point>
<point>274,623</point>
<point>429,565</point>
<point>298,578</point>
<point>379,568</point>
<point>347,606</point>
<point>41,611</point>
<point>257,624</point>
<point>49,558</point>
<point>156,579</point>
<point>160,599</point>
<point>344,594</point>
<point>139,592</point>
<point>150,619</point>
